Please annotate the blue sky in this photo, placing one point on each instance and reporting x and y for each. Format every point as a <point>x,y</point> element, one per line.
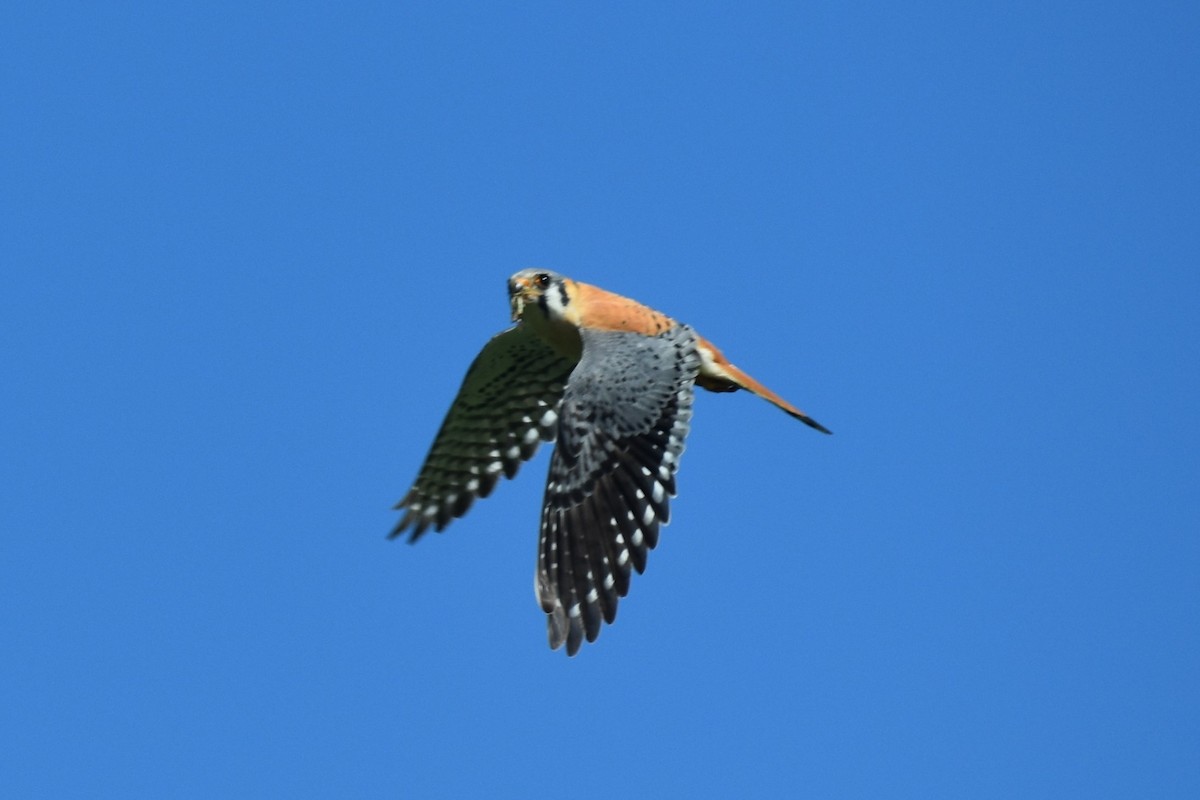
<point>249,251</point>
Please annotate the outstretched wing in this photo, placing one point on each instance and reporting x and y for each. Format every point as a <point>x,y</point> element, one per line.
<point>624,415</point>
<point>507,405</point>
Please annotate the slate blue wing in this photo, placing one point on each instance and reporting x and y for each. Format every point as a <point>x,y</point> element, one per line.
<point>624,415</point>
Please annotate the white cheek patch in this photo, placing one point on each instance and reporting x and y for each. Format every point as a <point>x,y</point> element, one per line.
<point>555,297</point>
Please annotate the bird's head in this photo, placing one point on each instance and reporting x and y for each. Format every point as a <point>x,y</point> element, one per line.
<point>539,295</point>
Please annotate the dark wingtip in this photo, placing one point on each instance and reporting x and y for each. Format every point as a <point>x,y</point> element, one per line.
<point>415,535</point>
<point>401,525</point>
<point>418,527</point>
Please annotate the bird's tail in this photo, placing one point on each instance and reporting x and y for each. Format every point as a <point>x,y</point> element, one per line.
<point>717,374</point>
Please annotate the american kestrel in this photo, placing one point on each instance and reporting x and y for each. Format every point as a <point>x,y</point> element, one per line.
<point>612,381</point>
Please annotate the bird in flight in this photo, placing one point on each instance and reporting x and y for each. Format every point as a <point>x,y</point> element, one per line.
<point>611,382</point>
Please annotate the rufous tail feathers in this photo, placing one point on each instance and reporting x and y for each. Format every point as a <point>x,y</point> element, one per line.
<point>717,374</point>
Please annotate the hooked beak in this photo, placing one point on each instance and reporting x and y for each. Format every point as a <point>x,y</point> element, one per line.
<point>516,298</point>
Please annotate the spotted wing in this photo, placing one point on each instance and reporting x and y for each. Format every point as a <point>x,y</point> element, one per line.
<point>624,415</point>
<point>507,405</point>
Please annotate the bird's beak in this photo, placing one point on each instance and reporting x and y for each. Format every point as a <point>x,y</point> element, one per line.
<point>516,298</point>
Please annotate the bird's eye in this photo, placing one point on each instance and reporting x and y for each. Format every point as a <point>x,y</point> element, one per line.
<point>543,280</point>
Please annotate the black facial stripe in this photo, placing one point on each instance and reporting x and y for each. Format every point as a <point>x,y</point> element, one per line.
<point>543,305</point>
<point>562,294</point>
